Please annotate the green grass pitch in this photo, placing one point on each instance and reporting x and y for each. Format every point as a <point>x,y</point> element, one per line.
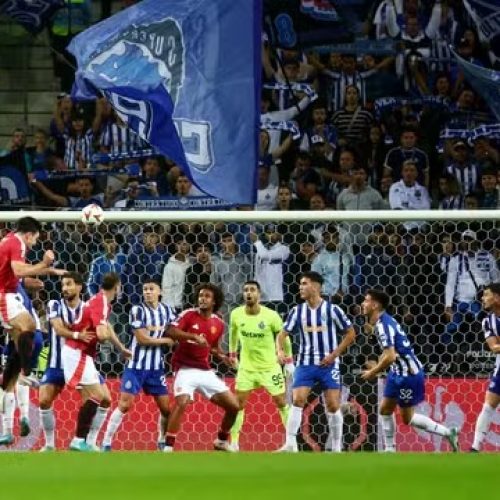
<point>207,476</point>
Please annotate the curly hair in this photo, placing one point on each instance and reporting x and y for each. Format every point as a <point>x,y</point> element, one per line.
<point>216,291</point>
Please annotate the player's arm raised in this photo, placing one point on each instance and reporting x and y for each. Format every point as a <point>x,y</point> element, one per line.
<point>387,357</point>
<point>23,269</point>
<point>347,340</point>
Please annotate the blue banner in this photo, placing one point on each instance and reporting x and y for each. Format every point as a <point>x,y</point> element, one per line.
<point>486,16</point>
<point>184,75</point>
<point>485,81</point>
<point>33,15</point>
<point>13,186</point>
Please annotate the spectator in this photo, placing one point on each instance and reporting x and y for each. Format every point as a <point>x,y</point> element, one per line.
<point>467,173</point>
<point>341,177</point>
<point>488,197</point>
<point>111,261</point>
<point>16,154</point>
<point>230,268</point>
<point>407,151</point>
<point>85,187</point>
<point>40,153</point>
<point>408,194</point>
<point>60,124</point>
<point>174,275</point>
<point>185,188</point>
<point>385,187</point>
<point>200,271</point>
<point>450,193</point>
<point>374,155</point>
<point>359,196</point>
<point>152,172</point>
<point>146,260</point>
<point>267,193</point>
<point>333,265</point>
<point>270,257</point>
<point>352,121</point>
<point>470,269</point>
<point>319,127</point>
<point>485,152</point>
<point>132,193</point>
<point>285,199</point>
<point>78,142</point>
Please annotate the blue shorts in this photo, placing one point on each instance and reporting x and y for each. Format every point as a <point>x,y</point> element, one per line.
<point>327,377</point>
<point>55,376</point>
<point>152,382</point>
<point>494,385</point>
<point>408,391</point>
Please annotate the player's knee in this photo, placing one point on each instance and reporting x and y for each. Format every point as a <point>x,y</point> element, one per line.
<point>406,419</point>
<point>105,401</point>
<point>124,406</point>
<point>299,401</point>
<point>332,406</point>
<point>233,408</point>
<point>45,403</point>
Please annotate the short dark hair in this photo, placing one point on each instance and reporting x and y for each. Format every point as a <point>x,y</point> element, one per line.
<point>225,235</point>
<point>216,291</point>
<point>28,225</point>
<point>493,288</point>
<point>379,296</point>
<point>151,280</point>
<point>313,276</point>
<point>252,282</point>
<point>76,277</point>
<point>110,280</point>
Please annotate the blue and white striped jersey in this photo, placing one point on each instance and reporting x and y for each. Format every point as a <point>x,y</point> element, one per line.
<point>491,328</point>
<point>390,334</point>
<point>318,330</point>
<point>154,321</point>
<point>60,309</point>
<point>26,300</point>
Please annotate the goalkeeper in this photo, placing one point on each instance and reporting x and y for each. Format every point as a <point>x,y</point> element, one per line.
<point>253,328</point>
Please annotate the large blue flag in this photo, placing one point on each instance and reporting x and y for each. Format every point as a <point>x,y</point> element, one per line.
<point>185,75</point>
<point>485,81</point>
<point>34,15</point>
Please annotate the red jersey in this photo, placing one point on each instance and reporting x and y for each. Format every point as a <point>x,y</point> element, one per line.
<point>12,249</point>
<point>94,312</point>
<point>191,355</point>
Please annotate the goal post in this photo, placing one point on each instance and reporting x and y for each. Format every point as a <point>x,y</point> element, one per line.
<point>418,257</point>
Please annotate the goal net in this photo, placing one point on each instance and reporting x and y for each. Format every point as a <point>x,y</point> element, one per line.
<point>430,263</point>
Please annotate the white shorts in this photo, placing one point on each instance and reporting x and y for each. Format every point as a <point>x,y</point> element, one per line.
<point>79,368</point>
<point>11,305</point>
<point>191,380</point>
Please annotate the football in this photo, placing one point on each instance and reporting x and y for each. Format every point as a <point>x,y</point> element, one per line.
<point>92,214</point>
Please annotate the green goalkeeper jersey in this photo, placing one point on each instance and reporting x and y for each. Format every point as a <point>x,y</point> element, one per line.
<point>255,334</point>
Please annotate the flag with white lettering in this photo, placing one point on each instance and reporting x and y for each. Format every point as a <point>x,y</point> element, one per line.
<point>184,75</point>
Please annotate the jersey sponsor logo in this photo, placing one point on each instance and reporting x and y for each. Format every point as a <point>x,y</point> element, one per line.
<point>252,335</point>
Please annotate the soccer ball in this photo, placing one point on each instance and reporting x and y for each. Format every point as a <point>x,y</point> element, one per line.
<point>92,214</point>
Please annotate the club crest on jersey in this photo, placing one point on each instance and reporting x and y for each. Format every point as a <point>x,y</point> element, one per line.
<point>261,325</point>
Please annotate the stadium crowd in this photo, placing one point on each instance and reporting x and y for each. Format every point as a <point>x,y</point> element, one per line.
<point>339,130</point>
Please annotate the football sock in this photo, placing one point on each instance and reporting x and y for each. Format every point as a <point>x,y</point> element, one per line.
<point>293,424</point>
<point>9,404</point>
<point>336,422</point>
<point>96,425</point>
<point>427,424</point>
<point>25,349</point>
<point>236,428</point>
<point>114,422</point>
<point>284,412</point>
<point>23,400</point>
<point>389,429</point>
<point>48,426</point>
<point>482,425</point>
<point>85,415</point>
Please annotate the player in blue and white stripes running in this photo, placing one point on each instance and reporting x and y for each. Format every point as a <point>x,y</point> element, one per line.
<point>491,329</point>
<point>405,385</point>
<point>150,322</point>
<point>318,322</point>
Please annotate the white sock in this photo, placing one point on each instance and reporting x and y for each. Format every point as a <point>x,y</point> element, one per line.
<point>23,400</point>
<point>482,425</point>
<point>293,424</point>
<point>9,405</point>
<point>336,423</point>
<point>162,423</point>
<point>389,430</point>
<point>99,419</point>
<point>427,424</point>
<point>48,426</point>
<point>114,422</point>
